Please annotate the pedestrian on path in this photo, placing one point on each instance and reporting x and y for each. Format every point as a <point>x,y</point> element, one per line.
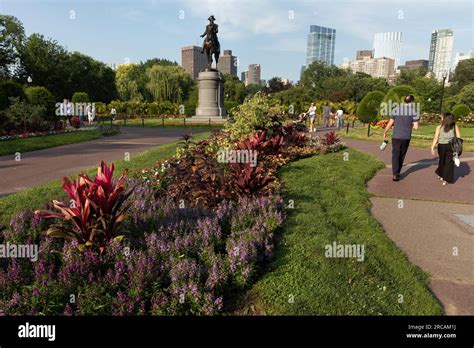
<point>443,135</point>
<point>339,118</point>
<point>312,115</point>
<point>404,118</point>
<point>90,114</point>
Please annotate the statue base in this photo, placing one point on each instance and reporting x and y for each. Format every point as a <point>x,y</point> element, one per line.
<point>211,97</point>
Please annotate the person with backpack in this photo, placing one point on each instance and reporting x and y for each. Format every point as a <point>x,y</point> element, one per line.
<point>448,148</point>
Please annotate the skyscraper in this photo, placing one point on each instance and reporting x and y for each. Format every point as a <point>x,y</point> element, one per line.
<point>193,61</point>
<point>227,63</point>
<point>388,45</point>
<point>441,50</point>
<point>244,75</point>
<point>253,74</point>
<point>321,42</point>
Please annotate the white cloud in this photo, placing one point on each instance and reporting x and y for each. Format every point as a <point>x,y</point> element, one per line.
<point>238,18</point>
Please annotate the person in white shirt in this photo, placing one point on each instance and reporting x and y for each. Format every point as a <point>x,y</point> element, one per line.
<point>339,118</point>
<point>113,112</point>
<point>90,114</point>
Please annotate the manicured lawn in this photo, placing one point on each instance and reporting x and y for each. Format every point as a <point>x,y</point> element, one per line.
<point>9,147</point>
<point>422,137</point>
<point>158,122</point>
<point>36,197</point>
<point>331,204</point>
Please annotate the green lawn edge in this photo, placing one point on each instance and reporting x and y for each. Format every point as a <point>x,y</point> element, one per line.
<point>331,203</point>
<point>36,197</point>
<point>9,147</point>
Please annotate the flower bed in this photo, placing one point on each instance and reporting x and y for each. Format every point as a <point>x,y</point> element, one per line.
<point>36,134</point>
<point>176,239</point>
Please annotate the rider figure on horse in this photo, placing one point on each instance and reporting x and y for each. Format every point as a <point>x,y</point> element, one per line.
<point>211,43</point>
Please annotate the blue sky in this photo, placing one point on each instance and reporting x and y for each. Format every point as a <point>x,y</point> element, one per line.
<point>268,32</point>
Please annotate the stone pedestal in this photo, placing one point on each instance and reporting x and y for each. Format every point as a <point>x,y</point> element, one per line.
<point>211,97</point>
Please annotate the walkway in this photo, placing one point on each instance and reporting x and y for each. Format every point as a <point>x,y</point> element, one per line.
<point>38,167</point>
<point>433,224</point>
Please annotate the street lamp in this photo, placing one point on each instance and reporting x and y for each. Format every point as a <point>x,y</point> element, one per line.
<point>445,75</point>
<point>29,80</point>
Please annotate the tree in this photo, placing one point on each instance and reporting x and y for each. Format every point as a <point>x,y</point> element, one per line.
<point>12,35</point>
<point>369,107</point>
<point>275,85</point>
<point>234,89</point>
<point>168,83</point>
<point>80,97</point>
<point>408,76</point>
<point>40,96</point>
<point>10,89</point>
<point>252,89</point>
<point>126,79</point>
<point>466,95</point>
<point>156,61</point>
<point>463,74</point>
<point>429,92</point>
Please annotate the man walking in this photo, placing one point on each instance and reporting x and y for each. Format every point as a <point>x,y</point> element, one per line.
<point>404,118</point>
<point>327,113</point>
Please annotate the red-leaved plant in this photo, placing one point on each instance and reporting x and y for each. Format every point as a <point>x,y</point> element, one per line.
<point>95,209</point>
<point>330,138</point>
<point>246,180</point>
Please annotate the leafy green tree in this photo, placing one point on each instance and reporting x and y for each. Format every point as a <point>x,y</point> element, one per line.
<point>296,99</point>
<point>191,102</point>
<point>461,110</point>
<point>234,89</point>
<point>275,85</point>
<point>252,89</point>
<point>10,89</point>
<point>127,78</point>
<point>463,74</point>
<point>466,95</point>
<point>40,96</point>
<point>168,83</point>
<point>429,92</point>
<point>23,116</point>
<point>12,35</point>
<point>369,107</point>
<point>408,76</point>
<point>80,97</point>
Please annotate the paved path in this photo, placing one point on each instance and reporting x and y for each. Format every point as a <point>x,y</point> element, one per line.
<point>38,167</point>
<point>433,224</point>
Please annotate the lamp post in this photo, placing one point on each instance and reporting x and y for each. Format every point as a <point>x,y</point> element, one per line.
<point>445,75</point>
<point>29,80</point>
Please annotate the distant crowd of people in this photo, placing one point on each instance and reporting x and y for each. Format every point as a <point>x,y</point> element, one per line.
<point>68,110</point>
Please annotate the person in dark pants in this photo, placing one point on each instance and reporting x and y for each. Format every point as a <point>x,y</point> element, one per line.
<point>404,117</point>
<point>443,135</point>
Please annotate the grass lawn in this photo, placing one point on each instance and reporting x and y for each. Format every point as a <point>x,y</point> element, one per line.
<point>422,137</point>
<point>159,122</point>
<point>36,197</point>
<point>331,204</point>
<point>9,147</point>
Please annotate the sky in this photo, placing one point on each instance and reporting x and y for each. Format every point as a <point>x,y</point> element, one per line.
<point>271,33</point>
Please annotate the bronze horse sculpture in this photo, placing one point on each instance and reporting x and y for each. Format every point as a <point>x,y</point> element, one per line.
<point>211,43</point>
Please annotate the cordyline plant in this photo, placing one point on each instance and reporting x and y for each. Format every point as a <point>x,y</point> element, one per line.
<point>95,209</point>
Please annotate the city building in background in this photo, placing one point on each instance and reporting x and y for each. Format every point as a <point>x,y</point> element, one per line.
<point>254,74</point>
<point>227,63</point>
<point>193,61</point>
<point>382,67</point>
<point>441,50</point>
<point>388,45</point>
<point>244,76</point>
<point>461,56</point>
<point>321,44</point>
<point>364,54</point>
<point>414,64</point>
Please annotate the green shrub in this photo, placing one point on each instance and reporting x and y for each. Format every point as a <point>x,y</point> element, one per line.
<point>22,116</point>
<point>80,97</point>
<point>40,96</point>
<point>398,93</point>
<point>369,107</point>
<point>461,110</point>
<point>256,113</point>
<point>9,89</point>
<point>466,95</point>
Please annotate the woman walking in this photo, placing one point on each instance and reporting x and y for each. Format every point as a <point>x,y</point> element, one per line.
<point>444,133</point>
<point>312,116</point>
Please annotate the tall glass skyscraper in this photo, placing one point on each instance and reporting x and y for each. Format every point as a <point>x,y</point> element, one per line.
<point>441,50</point>
<point>388,45</point>
<point>321,42</point>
